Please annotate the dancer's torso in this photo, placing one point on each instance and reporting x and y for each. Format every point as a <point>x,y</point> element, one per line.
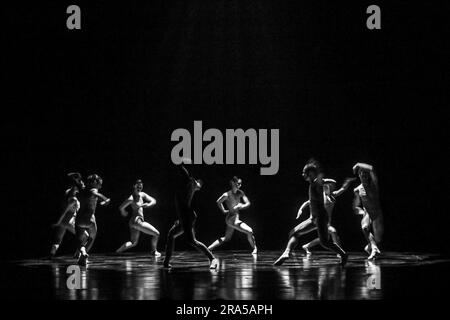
<point>370,200</point>
<point>316,200</point>
<point>71,205</point>
<point>88,205</point>
<point>232,200</point>
<point>137,211</point>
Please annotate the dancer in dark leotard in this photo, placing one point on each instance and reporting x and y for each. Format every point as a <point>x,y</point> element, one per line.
<point>85,223</point>
<point>330,195</point>
<point>66,221</point>
<point>187,186</point>
<point>138,201</point>
<point>319,216</point>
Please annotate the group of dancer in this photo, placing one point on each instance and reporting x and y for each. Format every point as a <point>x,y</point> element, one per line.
<point>82,198</point>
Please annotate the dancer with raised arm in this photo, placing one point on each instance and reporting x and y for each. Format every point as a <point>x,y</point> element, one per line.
<point>318,215</point>
<point>66,221</point>
<point>235,200</point>
<point>367,204</point>
<point>138,201</point>
<point>187,186</point>
<point>85,223</point>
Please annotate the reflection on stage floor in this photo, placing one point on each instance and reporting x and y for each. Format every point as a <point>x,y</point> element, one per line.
<point>240,276</point>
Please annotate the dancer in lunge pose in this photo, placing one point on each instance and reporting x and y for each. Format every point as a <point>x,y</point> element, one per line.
<point>319,215</point>
<point>85,224</point>
<point>138,201</point>
<point>187,186</point>
<point>66,221</point>
<point>330,195</point>
<point>367,204</point>
<point>235,200</point>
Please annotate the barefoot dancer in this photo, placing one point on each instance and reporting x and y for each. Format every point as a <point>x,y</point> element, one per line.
<point>319,215</point>
<point>367,204</point>
<point>85,224</point>
<point>233,200</point>
<point>330,196</point>
<point>138,201</point>
<point>66,221</point>
<point>187,186</point>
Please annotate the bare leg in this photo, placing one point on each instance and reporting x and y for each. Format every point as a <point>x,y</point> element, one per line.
<point>326,240</point>
<point>366,226</point>
<point>92,235</point>
<point>228,234</point>
<point>147,228</point>
<point>334,235</point>
<point>59,235</point>
<point>82,240</point>
<point>378,229</point>
<point>134,237</point>
<point>301,229</point>
<point>244,228</point>
<point>310,245</point>
<point>316,242</point>
<point>60,231</point>
<point>174,232</point>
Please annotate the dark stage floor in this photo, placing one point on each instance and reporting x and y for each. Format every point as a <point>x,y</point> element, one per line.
<point>241,276</point>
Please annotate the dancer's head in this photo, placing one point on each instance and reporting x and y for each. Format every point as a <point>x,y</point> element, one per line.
<point>312,170</point>
<point>76,180</point>
<point>138,186</point>
<point>235,183</point>
<point>94,181</point>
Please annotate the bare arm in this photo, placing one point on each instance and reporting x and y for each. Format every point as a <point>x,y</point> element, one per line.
<point>242,206</point>
<point>220,202</point>
<point>362,166</point>
<point>370,169</point>
<point>344,187</point>
<point>101,196</point>
<point>302,208</point>
<point>149,201</point>
<point>123,206</point>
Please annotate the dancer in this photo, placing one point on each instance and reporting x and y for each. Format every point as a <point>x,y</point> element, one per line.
<point>138,201</point>
<point>235,200</point>
<point>85,224</point>
<point>319,216</point>
<point>187,186</point>
<point>330,195</point>
<point>66,221</point>
<point>367,204</point>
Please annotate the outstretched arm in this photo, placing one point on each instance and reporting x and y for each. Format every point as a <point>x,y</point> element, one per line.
<point>123,206</point>
<point>242,206</point>
<point>344,187</point>
<point>220,202</point>
<point>302,208</point>
<point>149,201</point>
<point>101,196</point>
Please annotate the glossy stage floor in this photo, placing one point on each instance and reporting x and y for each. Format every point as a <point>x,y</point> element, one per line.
<point>240,276</point>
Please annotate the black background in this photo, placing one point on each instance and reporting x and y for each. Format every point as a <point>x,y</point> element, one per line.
<point>105,99</point>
